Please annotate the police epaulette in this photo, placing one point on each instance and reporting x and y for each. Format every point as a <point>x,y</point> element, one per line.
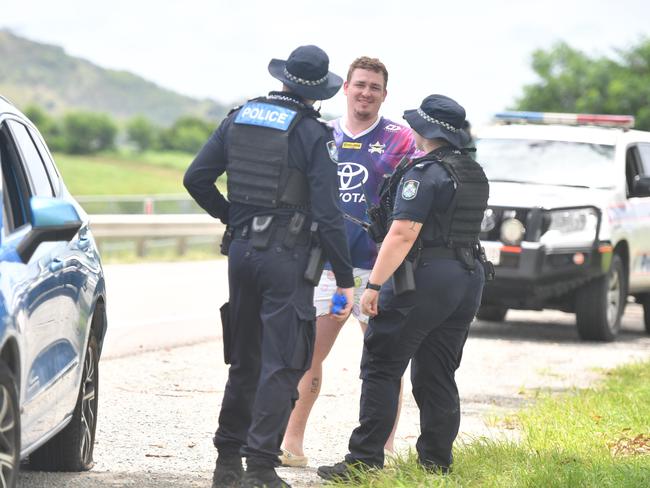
<point>235,109</point>
<point>424,164</point>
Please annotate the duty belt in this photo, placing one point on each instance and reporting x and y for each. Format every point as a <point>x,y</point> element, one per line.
<point>279,233</point>
<point>446,252</point>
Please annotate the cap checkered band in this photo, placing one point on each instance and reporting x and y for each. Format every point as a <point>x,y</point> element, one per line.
<point>442,123</point>
<point>302,81</point>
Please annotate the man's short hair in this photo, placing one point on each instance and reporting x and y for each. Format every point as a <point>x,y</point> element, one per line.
<point>371,64</point>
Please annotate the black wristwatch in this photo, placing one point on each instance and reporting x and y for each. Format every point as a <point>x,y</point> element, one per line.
<point>372,286</point>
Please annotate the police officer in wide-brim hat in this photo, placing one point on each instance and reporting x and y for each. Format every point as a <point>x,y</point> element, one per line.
<point>439,201</point>
<point>282,181</point>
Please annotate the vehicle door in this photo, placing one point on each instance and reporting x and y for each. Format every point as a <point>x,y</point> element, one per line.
<point>42,304</point>
<point>638,220</point>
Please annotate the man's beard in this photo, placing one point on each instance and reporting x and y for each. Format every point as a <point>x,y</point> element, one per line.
<point>365,114</point>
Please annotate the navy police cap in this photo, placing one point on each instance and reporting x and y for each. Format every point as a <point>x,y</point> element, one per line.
<point>307,74</point>
<point>439,117</point>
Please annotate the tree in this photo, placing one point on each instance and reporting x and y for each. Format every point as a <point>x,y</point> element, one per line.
<point>187,134</point>
<point>141,132</point>
<point>88,132</point>
<point>571,81</point>
<point>49,127</point>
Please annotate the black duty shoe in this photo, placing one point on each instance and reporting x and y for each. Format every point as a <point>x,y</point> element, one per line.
<point>262,477</point>
<point>341,471</point>
<point>228,472</point>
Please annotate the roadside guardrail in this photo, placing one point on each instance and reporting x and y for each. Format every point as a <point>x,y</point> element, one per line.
<point>141,228</point>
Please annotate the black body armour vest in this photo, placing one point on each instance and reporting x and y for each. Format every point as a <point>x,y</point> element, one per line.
<point>258,155</point>
<point>460,225</point>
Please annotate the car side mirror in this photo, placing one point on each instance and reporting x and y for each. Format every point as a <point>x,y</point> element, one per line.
<point>52,220</point>
<point>641,186</point>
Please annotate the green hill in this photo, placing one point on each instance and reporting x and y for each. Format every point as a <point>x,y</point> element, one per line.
<point>32,72</point>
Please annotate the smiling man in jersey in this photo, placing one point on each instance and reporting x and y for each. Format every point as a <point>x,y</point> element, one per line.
<point>369,146</point>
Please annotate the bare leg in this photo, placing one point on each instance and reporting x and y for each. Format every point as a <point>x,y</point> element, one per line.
<point>309,387</point>
<point>389,446</point>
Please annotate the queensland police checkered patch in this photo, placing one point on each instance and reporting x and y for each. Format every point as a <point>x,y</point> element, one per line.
<point>410,189</point>
<point>333,151</point>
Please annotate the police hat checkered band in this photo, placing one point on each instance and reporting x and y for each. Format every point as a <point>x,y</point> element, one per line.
<point>285,99</point>
<point>442,123</point>
<point>302,81</point>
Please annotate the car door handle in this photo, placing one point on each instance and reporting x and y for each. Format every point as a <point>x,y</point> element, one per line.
<point>56,265</point>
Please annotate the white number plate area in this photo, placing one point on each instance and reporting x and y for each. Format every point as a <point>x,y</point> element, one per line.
<point>492,252</point>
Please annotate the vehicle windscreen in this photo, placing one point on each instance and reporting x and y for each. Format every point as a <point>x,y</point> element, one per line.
<point>547,162</point>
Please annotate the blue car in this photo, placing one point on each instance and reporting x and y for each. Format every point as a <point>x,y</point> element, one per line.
<point>52,311</point>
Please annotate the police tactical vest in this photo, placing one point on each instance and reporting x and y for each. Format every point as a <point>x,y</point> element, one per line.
<point>460,225</point>
<point>258,155</point>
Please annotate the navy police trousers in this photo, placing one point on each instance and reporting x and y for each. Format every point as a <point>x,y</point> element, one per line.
<point>428,326</point>
<point>270,346</point>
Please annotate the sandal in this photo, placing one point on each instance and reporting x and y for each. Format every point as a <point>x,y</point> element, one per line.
<point>290,460</point>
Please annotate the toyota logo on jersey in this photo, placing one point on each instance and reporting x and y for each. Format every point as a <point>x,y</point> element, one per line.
<point>351,176</point>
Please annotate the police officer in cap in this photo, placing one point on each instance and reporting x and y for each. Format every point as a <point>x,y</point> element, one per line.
<point>282,196</point>
<point>439,200</point>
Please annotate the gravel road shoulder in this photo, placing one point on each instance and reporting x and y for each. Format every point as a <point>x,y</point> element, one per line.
<point>158,410</point>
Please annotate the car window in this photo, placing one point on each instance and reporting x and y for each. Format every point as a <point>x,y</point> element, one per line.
<point>644,156</point>
<point>547,162</point>
<point>15,189</point>
<point>632,167</point>
<point>47,159</point>
<point>32,159</point>
<point>6,224</point>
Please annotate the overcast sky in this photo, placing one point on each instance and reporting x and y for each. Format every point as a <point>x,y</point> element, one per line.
<point>477,52</point>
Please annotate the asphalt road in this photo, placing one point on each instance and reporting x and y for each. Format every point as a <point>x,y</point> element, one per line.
<point>162,379</point>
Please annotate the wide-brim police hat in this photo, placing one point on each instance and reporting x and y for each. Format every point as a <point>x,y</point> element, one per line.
<point>439,117</point>
<point>307,74</point>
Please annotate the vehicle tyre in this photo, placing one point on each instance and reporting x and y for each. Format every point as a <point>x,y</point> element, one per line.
<point>646,314</point>
<point>72,448</point>
<point>9,428</point>
<point>600,304</point>
<point>493,313</point>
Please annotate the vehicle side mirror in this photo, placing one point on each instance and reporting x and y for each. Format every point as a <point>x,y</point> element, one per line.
<point>641,186</point>
<point>52,220</point>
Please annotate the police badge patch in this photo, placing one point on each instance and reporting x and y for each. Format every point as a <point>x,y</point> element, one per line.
<point>410,189</point>
<point>333,151</point>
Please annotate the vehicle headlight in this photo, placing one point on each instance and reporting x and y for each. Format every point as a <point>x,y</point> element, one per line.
<point>571,227</point>
<point>512,232</point>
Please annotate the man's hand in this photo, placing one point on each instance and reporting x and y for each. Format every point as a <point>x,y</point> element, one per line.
<point>343,315</point>
<point>369,301</point>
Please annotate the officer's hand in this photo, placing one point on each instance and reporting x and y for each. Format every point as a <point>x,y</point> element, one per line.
<point>348,293</point>
<point>369,301</point>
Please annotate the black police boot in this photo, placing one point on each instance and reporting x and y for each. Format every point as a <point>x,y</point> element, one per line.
<point>228,472</point>
<point>262,477</point>
<point>342,471</point>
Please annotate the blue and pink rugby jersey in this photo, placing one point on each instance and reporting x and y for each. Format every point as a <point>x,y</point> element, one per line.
<point>362,162</point>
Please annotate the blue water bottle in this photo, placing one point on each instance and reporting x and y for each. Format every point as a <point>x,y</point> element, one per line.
<point>338,303</point>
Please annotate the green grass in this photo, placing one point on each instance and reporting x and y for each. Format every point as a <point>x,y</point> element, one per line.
<point>116,174</point>
<point>164,159</point>
<point>596,437</point>
<point>126,172</point>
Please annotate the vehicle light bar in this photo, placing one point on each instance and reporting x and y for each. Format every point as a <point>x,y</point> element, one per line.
<point>622,121</point>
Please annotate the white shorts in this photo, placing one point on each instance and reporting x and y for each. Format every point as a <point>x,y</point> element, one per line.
<point>327,287</point>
